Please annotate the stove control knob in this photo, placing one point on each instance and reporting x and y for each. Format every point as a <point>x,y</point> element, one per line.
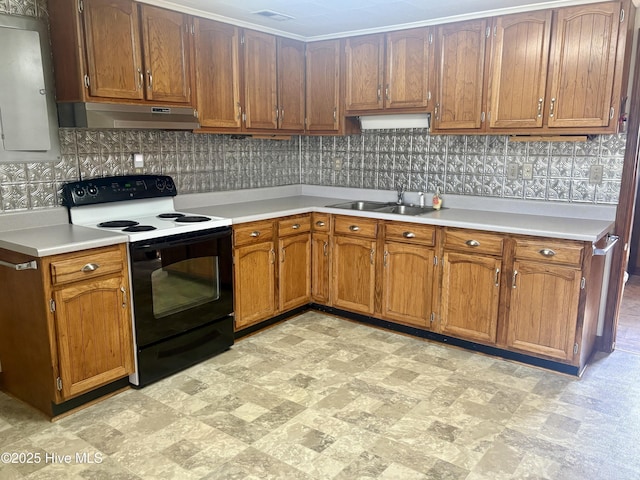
<point>93,190</point>
<point>79,191</point>
<point>160,184</point>
<point>170,185</point>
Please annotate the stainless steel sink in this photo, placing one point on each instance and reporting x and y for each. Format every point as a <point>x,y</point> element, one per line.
<point>383,207</point>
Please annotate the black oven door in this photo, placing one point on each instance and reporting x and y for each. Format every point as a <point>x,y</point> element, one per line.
<point>181,282</point>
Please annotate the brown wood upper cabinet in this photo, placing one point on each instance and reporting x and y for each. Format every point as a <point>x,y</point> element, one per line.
<point>388,71</point>
<point>556,70</point>
<point>460,75</point>
<point>113,50</point>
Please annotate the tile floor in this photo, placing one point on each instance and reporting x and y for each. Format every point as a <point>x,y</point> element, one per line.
<point>628,334</point>
<point>318,397</point>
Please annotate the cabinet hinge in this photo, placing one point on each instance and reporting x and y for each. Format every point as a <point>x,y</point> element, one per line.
<point>80,6</point>
<point>575,348</point>
<point>52,305</point>
<point>622,15</point>
<point>487,32</point>
<point>59,384</point>
<point>583,283</point>
<point>430,38</point>
<point>86,81</point>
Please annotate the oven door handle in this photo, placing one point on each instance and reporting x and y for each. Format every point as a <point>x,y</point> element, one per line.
<point>184,239</point>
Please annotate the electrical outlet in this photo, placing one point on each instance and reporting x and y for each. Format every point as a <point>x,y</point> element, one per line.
<point>527,171</point>
<point>512,171</point>
<point>595,174</point>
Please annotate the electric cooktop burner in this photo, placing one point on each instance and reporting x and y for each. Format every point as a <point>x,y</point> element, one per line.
<point>192,219</point>
<point>139,228</point>
<point>171,215</point>
<point>118,224</point>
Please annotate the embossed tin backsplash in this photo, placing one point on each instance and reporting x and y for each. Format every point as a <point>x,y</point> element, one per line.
<point>456,164</point>
<point>464,165</point>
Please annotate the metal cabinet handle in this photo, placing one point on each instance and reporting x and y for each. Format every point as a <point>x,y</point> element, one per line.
<point>295,226</point>
<point>371,254</point>
<point>473,243</point>
<point>540,102</point>
<point>320,223</point>
<point>90,267</point>
<point>497,279</point>
<point>335,114</point>
<point>282,114</point>
<point>409,235</point>
<point>386,255</point>
<point>140,78</point>
<point>513,280</point>
<point>32,265</point>
<point>354,228</point>
<point>436,111</point>
<point>611,241</point>
<point>547,252</point>
<point>124,297</point>
<point>386,93</point>
<point>325,248</point>
<point>239,110</point>
<point>273,256</point>
<point>255,234</point>
<point>150,84</point>
<point>283,252</point>
<point>379,92</point>
<point>553,107</point>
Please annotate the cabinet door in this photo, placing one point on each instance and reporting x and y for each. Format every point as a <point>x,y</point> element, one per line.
<point>320,267</point>
<point>294,271</point>
<point>543,310</point>
<point>114,59</point>
<point>254,282</point>
<point>323,86</point>
<point>470,295</point>
<point>354,266</point>
<point>166,47</point>
<point>582,65</point>
<point>217,70</point>
<point>519,59</point>
<point>407,283</point>
<point>94,336</point>
<point>364,70</point>
<point>407,69</point>
<point>460,75</point>
<point>260,82</point>
<point>291,84</point>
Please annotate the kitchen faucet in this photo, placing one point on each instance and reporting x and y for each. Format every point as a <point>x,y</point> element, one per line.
<point>400,189</point>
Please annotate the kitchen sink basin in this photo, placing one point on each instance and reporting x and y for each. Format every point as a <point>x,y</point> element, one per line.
<point>383,207</point>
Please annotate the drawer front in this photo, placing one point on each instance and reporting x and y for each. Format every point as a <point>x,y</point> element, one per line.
<point>355,226</point>
<point>251,233</point>
<point>473,241</point>
<point>410,232</point>
<point>293,225</point>
<point>321,222</point>
<point>83,267</point>
<point>550,251</point>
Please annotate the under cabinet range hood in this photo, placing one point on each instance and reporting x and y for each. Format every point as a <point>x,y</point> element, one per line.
<point>386,122</point>
<point>108,115</point>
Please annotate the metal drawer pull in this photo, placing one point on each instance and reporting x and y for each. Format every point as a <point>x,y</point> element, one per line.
<point>611,241</point>
<point>255,234</point>
<point>320,223</point>
<point>90,267</point>
<point>354,228</point>
<point>409,235</point>
<point>547,252</point>
<point>295,226</point>
<point>32,265</point>
<point>473,243</point>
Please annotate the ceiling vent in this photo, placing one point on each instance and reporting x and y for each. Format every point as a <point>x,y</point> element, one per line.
<point>278,17</point>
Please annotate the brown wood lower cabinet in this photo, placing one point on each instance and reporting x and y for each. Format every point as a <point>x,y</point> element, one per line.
<point>294,282</point>
<point>354,273</point>
<point>69,332</point>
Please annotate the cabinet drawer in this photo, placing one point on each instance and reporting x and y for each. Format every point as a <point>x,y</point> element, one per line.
<point>321,222</point>
<point>254,232</point>
<point>355,226</point>
<point>473,240</point>
<point>83,267</point>
<point>549,251</point>
<point>293,225</point>
<point>410,232</point>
